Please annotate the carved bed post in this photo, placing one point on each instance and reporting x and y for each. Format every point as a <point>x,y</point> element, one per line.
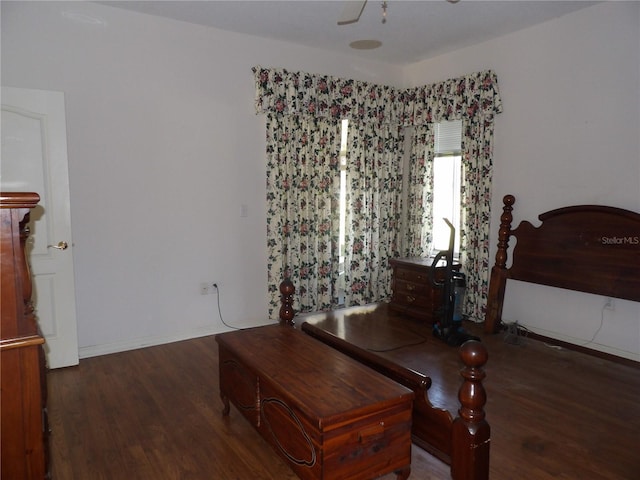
<point>471,434</point>
<point>498,279</point>
<point>286,309</point>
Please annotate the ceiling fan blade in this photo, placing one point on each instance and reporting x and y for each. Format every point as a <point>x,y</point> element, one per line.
<point>351,11</point>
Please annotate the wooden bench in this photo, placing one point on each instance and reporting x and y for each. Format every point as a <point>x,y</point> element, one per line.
<point>327,415</point>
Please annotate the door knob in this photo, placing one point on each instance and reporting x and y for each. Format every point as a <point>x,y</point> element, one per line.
<point>59,246</point>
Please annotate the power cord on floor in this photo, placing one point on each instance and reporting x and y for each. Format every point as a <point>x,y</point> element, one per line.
<point>384,350</point>
<point>215,285</point>
<point>514,333</point>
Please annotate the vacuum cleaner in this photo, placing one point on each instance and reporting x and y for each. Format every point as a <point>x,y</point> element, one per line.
<point>448,322</point>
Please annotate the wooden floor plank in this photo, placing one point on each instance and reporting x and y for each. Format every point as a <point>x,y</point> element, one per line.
<point>155,413</point>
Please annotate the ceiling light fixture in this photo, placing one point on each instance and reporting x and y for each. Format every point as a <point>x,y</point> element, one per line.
<point>384,12</point>
<point>365,44</point>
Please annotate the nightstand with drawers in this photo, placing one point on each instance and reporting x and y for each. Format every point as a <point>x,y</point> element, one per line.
<point>413,291</point>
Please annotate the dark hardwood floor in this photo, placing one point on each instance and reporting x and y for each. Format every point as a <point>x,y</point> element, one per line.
<point>155,413</point>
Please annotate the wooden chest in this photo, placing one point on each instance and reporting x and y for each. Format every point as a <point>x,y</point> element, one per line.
<point>413,291</point>
<point>326,414</point>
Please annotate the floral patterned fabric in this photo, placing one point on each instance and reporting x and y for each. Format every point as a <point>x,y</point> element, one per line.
<point>299,93</point>
<point>470,96</point>
<point>374,208</point>
<point>373,235</point>
<point>303,182</point>
<point>419,227</point>
<point>475,197</point>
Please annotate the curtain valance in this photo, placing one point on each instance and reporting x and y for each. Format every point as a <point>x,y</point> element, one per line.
<point>473,95</point>
<point>298,93</point>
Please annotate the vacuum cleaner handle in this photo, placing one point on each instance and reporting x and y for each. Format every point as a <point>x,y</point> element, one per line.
<point>432,271</point>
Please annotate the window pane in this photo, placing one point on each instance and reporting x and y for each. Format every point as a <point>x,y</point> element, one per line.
<point>343,209</point>
<point>446,201</point>
<point>446,179</point>
<point>448,138</point>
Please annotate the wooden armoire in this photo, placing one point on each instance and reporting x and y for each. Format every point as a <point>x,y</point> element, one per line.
<point>23,394</point>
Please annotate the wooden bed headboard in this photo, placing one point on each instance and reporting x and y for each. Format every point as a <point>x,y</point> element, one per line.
<point>587,248</point>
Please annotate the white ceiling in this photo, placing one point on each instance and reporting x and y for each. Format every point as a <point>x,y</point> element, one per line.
<point>414,30</point>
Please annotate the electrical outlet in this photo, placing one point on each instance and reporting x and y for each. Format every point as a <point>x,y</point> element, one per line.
<point>608,304</point>
<point>208,288</point>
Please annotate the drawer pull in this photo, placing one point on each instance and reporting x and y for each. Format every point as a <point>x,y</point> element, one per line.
<point>371,433</point>
<point>410,299</point>
<point>410,287</point>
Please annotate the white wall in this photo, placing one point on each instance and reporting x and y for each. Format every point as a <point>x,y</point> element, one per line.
<point>164,149</point>
<point>569,135</point>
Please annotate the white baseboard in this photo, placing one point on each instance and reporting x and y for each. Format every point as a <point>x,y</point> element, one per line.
<point>134,344</point>
<point>583,343</point>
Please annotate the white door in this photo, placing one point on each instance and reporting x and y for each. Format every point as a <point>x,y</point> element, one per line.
<point>34,159</point>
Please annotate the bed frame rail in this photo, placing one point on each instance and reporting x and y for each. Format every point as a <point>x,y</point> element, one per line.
<point>463,442</point>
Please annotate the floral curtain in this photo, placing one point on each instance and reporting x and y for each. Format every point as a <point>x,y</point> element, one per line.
<point>374,207</point>
<point>420,193</point>
<point>302,209</point>
<point>299,93</point>
<point>473,98</point>
<point>474,95</point>
<point>475,197</point>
